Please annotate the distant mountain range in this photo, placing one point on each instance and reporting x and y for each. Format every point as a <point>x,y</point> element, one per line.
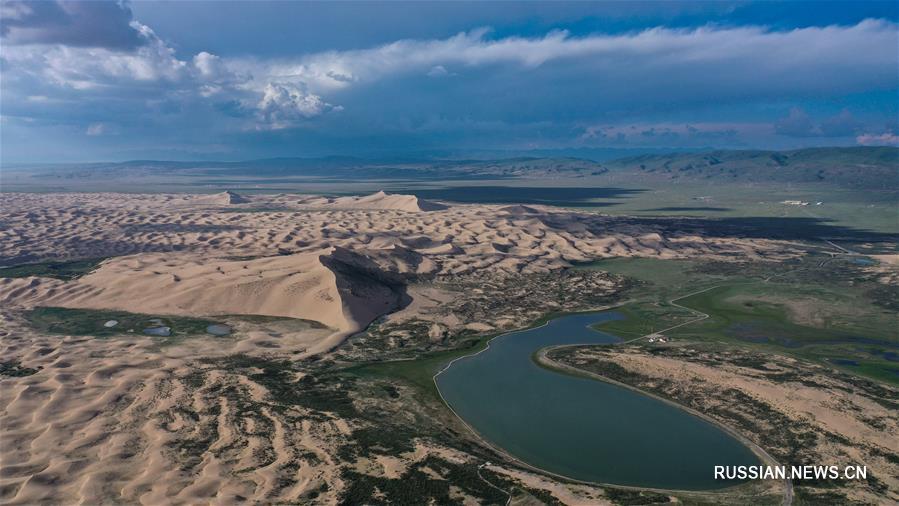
<point>857,167</point>
<point>853,167</point>
<point>336,168</point>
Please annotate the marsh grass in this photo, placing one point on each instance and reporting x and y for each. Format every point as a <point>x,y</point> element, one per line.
<point>90,322</point>
<point>66,271</point>
<point>826,309</point>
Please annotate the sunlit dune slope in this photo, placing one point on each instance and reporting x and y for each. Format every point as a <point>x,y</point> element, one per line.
<point>336,287</point>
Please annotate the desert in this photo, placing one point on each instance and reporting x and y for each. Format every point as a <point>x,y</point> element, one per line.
<point>306,286</point>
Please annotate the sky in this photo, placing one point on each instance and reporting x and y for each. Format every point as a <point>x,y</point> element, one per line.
<point>215,80</point>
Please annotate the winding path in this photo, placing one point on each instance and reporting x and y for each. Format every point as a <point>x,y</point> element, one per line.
<point>485,480</point>
<point>702,316</point>
<point>788,490</point>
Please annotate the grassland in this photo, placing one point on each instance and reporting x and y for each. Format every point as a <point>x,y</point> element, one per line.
<point>419,372</point>
<point>90,322</point>
<point>871,210</point>
<point>828,310</point>
<point>59,270</point>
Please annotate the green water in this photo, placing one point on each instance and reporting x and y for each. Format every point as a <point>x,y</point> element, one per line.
<point>579,427</point>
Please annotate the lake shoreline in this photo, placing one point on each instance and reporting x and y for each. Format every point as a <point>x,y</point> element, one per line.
<point>537,359</point>
<point>541,359</point>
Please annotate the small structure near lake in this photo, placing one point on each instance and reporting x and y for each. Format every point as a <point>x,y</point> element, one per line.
<point>162,331</point>
<point>217,329</point>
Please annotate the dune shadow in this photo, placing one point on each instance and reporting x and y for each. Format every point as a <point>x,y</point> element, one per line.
<point>177,228</point>
<point>780,228</point>
<point>686,209</point>
<point>550,196</point>
<point>92,248</point>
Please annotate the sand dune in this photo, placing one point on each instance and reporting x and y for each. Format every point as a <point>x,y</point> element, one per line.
<point>173,254</point>
<point>520,210</point>
<point>119,419</point>
<point>458,239</point>
<point>229,197</point>
<point>226,198</point>
<point>335,287</point>
<point>378,200</point>
<point>110,422</point>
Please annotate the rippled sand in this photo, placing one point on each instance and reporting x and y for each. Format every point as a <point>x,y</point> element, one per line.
<point>113,419</point>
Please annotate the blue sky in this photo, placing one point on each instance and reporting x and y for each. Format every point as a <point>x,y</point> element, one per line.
<point>92,81</point>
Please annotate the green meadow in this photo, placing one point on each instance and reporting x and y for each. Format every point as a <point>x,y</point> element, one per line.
<point>59,270</point>
<point>824,309</point>
<point>860,210</point>
<point>91,322</point>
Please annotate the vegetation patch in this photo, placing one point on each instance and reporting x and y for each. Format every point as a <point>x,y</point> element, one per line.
<point>425,482</point>
<point>830,310</point>
<point>419,372</point>
<point>60,270</point>
<point>96,322</point>
<point>14,369</point>
<point>320,393</point>
<point>634,497</point>
<point>885,296</point>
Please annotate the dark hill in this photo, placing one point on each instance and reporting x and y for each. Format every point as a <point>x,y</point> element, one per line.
<point>854,167</point>
<point>849,167</point>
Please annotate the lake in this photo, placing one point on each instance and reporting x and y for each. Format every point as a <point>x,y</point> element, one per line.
<point>582,428</point>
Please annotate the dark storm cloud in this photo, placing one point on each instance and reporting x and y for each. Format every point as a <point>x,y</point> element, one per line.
<point>796,124</point>
<point>684,78</point>
<point>843,124</point>
<point>799,124</point>
<point>72,23</point>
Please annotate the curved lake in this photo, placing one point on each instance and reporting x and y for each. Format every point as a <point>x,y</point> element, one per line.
<point>583,428</point>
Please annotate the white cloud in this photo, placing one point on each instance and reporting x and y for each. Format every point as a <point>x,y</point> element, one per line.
<point>95,129</point>
<point>866,48</point>
<point>284,105</point>
<point>704,64</point>
<point>746,56</point>
<point>208,64</point>
<point>213,76</point>
<point>15,11</point>
<point>89,67</point>
<point>884,139</point>
<point>437,71</point>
